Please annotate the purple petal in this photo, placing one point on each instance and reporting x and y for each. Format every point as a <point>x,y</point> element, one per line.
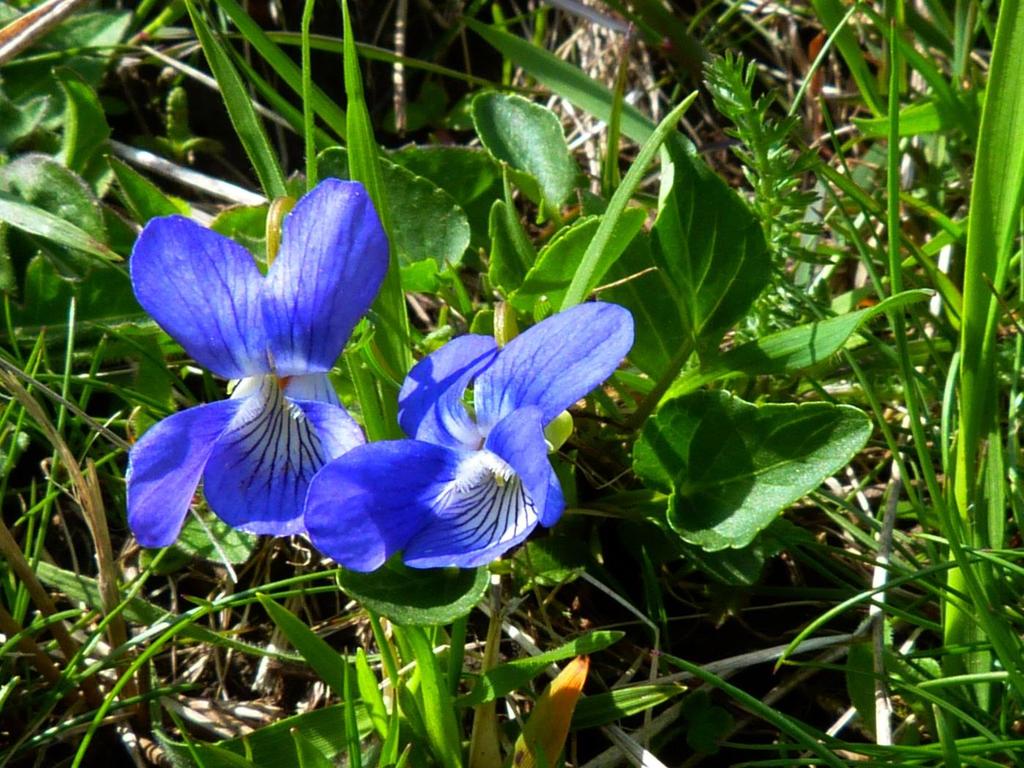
<point>313,386</point>
<point>257,476</point>
<point>497,498</point>
<point>554,363</point>
<point>338,432</point>
<point>554,504</point>
<point>164,467</point>
<point>331,263</point>
<point>203,289</point>
<point>365,506</point>
<point>430,404</point>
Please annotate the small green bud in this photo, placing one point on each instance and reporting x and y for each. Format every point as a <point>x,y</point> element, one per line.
<point>558,431</point>
<point>275,217</point>
<point>505,326</point>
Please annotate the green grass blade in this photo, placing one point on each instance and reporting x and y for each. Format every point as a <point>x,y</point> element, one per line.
<point>370,694</point>
<point>285,109</point>
<point>438,709</point>
<point>994,217</point>
<point>143,198</point>
<point>376,53</point>
<point>393,322</point>
<point>284,67</point>
<point>996,197</point>
<point>831,14</point>
<point>610,176</point>
<point>586,276</point>
<point>243,117</point>
<point>306,754</point>
<point>307,101</point>
<point>355,755</point>
<point>801,736</point>
<point>324,660</point>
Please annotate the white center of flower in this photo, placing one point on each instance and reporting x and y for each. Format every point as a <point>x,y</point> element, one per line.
<point>480,467</point>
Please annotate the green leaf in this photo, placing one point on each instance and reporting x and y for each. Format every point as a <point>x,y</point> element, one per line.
<point>195,541</point>
<point>557,262</point>
<point>743,567</point>
<point>427,224</point>
<point>85,128</point>
<point>30,79</point>
<point>512,253</point>
<point>416,597</point>
<point>103,293</point>
<point>529,138</point>
<point>273,745</point>
<point>240,109</point>
<point>306,753</point>
<point>707,723</point>
<point>141,196</point>
<point>421,277</point>
<point>325,661</point>
<point>789,351</point>
<point>40,197</point>
<point>246,225</point>
<point>469,175</point>
<point>603,708</point>
<point>732,467</point>
<point>860,682</point>
<point>731,567</point>
<point>512,675</point>
<point>566,80</point>
<point>22,119</point>
<point>551,560</point>
<point>647,293</point>
<point>710,248</point>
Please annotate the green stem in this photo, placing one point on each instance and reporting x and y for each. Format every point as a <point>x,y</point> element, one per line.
<point>307,97</point>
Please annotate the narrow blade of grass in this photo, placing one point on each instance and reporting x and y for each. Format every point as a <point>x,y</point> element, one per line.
<point>324,660</point>
<point>393,322</point>
<point>438,710</point>
<point>996,197</point>
<point>831,13</point>
<point>284,67</point>
<point>586,276</point>
<point>243,117</point>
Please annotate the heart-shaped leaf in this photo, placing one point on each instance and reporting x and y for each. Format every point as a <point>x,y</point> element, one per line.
<point>426,222</point>
<point>529,138</point>
<point>732,467</point>
<point>416,597</point>
<point>710,248</point>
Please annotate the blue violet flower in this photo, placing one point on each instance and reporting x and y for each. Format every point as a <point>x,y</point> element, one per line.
<point>465,490</point>
<point>278,335</point>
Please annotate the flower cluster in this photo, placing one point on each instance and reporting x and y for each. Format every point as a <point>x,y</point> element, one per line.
<point>282,456</point>
<point>277,334</point>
